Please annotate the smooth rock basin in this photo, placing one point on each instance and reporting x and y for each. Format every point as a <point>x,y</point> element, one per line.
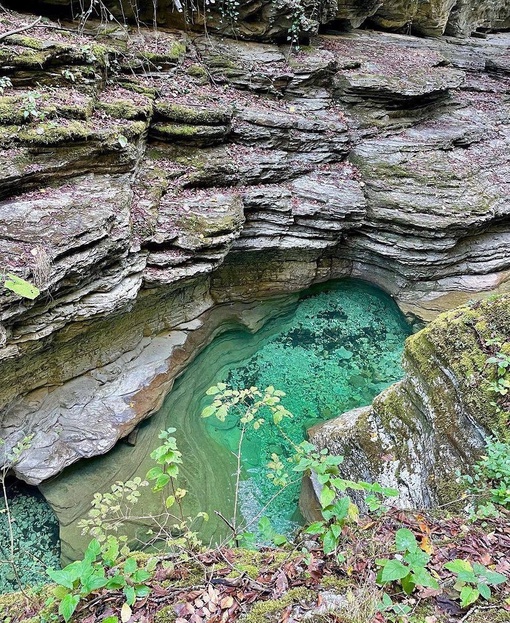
<point>334,349</point>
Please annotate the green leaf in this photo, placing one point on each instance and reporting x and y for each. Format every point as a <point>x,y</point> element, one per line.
<point>21,287</point>
<point>408,584</point>
<point>130,566</point>
<point>129,593</point>
<point>93,550</point>
<point>154,473</point>
<point>63,577</point>
<point>68,605</point>
<point>485,591</point>
<point>327,496</point>
<point>161,482</point>
<point>118,581</point>
<point>393,570</point>
<point>494,578</point>
<point>142,591</point>
<point>170,501</point>
<point>122,140</point>
<point>111,619</point>
<point>405,540</point>
<point>60,592</point>
<point>468,596</point>
<point>417,558</point>
<point>208,411</point>
<point>458,565</point>
<point>317,527</point>
<point>329,542</point>
<point>141,576</point>
<point>93,583</point>
<point>212,391</point>
<point>422,577</point>
<point>341,508</point>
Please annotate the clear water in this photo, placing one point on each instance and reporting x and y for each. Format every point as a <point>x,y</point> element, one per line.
<point>340,347</point>
<point>333,349</point>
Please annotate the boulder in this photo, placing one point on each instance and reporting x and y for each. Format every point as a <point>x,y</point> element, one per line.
<point>420,432</point>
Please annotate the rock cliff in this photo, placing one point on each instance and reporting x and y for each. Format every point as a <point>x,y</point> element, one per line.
<point>147,182</point>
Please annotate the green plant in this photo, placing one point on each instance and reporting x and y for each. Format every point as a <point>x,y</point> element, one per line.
<point>5,82</point>
<point>336,508</point>
<point>501,385</point>
<point>31,108</point>
<point>408,567</point>
<point>110,511</point>
<point>393,610</point>
<point>100,568</point>
<point>78,580</point>
<point>250,406</point>
<point>9,460</point>
<point>473,580</point>
<point>491,475</point>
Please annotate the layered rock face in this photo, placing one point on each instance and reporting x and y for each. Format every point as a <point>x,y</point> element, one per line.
<point>146,184</point>
<point>420,431</point>
<point>288,19</point>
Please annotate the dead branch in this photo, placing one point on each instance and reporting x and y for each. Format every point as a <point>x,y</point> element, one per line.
<point>18,30</point>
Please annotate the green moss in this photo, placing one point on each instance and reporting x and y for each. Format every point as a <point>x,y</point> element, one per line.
<point>173,54</point>
<point>497,615</point>
<point>29,59</point>
<point>126,109</point>
<point>333,582</point>
<point>194,115</point>
<point>165,615</point>
<point>197,71</point>
<point>48,133</point>
<point>137,87</point>
<point>182,132</point>
<point>270,611</point>
<point>25,41</point>
<point>455,341</point>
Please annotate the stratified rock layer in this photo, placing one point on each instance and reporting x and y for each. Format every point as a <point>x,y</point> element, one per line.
<point>146,180</point>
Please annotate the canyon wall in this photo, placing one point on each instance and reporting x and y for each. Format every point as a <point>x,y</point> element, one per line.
<point>148,182</point>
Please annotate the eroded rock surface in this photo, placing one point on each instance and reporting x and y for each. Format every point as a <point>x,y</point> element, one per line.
<point>145,180</point>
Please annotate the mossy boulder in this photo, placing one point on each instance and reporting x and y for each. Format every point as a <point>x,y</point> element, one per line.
<point>419,432</point>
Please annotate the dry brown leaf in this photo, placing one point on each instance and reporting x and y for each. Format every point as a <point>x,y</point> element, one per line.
<point>226,602</point>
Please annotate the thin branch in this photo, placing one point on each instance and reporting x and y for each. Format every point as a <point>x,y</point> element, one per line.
<point>18,30</point>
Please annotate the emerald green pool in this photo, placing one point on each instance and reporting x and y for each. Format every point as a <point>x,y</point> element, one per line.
<point>339,347</point>
<point>332,349</point>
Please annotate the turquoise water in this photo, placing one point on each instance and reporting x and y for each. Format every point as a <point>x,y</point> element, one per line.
<point>332,349</point>
<point>337,350</point>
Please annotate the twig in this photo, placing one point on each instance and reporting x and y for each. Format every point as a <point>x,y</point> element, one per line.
<point>231,526</point>
<point>18,30</point>
<point>476,609</point>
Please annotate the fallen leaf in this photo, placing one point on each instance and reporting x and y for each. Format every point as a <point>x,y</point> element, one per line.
<point>125,612</point>
<point>226,602</point>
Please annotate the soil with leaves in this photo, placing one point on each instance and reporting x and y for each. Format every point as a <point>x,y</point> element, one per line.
<point>398,567</point>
